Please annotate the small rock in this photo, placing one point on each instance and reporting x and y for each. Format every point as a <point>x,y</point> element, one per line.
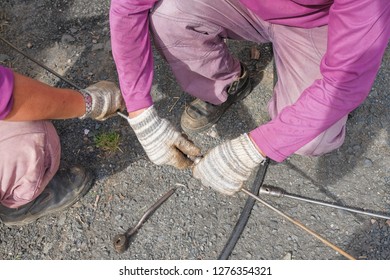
<point>47,248</point>
<point>61,220</point>
<point>213,133</point>
<point>255,53</point>
<point>367,163</point>
<point>97,47</point>
<point>288,256</point>
<point>29,45</point>
<point>356,147</point>
<point>4,57</point>
<point>107,46</point>
<point>66,39</point>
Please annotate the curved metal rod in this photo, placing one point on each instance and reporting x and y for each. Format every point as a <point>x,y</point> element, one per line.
<point>148,212</point>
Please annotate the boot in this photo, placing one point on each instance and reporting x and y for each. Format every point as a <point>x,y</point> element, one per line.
<point>200,115</point>
<point>63,190</point>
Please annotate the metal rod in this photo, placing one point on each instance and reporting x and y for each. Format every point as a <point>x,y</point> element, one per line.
<point>48,69</point>
<point>150,211</point>
<point>40,64</point>
<point>278,192</point>
<point>299,224</point>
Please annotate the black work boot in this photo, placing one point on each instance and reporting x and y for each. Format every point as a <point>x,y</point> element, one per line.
<point>63,190</point>
<point>200,115</point>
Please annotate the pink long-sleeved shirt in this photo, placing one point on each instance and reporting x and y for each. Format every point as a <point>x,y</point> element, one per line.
<point>6,89</point>
<point>358,34</point>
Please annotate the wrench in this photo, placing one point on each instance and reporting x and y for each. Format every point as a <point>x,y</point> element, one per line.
<point>122,241</point>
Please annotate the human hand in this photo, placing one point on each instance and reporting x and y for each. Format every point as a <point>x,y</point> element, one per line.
<point>103,100</point>
<point>161,141</point>
<point>226,167</point>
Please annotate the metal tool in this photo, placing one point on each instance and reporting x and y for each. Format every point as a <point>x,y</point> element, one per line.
<point>123,115</point>
<point>121,241</point>
<point>40,64</point>
<point>278,192</point>
<point>316,235</point>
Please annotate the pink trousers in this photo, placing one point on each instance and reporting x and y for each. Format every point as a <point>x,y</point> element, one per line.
<point>29,158</point>
<point>190,35</point>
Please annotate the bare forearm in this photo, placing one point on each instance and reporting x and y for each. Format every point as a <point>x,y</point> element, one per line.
<point>34,100</point>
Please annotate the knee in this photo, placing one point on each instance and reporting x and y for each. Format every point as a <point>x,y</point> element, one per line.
<point>30,156</point>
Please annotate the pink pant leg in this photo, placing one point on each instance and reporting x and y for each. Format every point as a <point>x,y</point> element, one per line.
<point>29,158</point>
<point>298,53</point>
<point>190,35</point>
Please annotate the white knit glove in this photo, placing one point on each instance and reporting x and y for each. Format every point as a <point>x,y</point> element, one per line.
<point>102,100</point>
<point>161,141</point>
<point>228,165</point>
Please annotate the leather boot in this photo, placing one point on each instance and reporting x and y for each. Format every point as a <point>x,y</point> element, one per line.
<point>199,115</point>
<point>63,190</point>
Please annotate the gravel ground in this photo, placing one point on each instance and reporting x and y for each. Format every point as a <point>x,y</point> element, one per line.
<point>72,37</point>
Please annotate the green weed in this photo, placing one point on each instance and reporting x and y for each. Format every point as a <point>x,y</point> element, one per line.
<point>108,141</point>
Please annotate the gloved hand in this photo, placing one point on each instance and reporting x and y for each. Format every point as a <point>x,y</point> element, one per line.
<point>228,165</point>
<point>161,141</point>
<point>102,100</point>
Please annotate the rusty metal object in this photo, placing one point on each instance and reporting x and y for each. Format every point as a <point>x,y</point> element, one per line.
<point>122,241</point>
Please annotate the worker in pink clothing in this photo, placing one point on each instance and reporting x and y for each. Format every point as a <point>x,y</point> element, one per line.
<point>32,184</point>
<point>327,55</point>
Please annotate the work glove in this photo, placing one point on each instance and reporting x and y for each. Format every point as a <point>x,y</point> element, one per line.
<point>162,143</point>
<point>102,100</point>
<point>226,167</point>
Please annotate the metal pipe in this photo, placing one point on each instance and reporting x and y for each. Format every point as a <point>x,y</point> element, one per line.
<point>299,224</point>
<point>278,192</point>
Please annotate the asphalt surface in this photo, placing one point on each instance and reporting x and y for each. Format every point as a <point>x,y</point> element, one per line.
<point>72,37</point>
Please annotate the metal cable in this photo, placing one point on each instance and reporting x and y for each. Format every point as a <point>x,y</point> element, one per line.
<point>39,63</point>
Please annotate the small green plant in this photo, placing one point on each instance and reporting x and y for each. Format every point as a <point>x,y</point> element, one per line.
<point>108,141</point>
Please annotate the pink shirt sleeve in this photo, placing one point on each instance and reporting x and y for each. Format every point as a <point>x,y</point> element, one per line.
<point>6,89</point>
<point>131,48</point>
<point>358,34</point>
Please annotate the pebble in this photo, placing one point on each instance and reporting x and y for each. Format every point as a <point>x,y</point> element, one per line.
<point>367,163</point>
<point>4,57</point>
<point>66,39</point>
<point>107,46</point>
<point>288,256</point>
<point>98,46</point>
